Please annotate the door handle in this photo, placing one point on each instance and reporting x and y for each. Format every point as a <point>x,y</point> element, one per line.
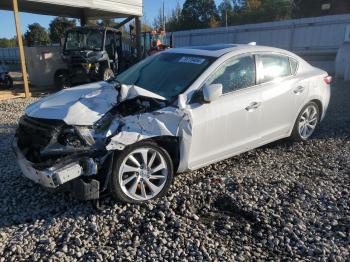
<point>299,90</point>
<point>253,106</point>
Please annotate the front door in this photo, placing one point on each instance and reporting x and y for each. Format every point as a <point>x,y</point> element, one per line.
<point>230,124</point>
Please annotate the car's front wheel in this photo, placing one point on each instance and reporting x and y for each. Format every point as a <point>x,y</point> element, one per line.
<point>8,82</point>
<point>306,122</point>
<point>62,79</point>
<point>141,172</point>
<point>107,74</point>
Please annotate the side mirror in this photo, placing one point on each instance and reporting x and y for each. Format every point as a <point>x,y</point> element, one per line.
<point>212,92</point>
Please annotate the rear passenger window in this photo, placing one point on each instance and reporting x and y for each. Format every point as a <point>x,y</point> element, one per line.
<point>293,65</point>
<point>274,66</point>
<point>235,74</point>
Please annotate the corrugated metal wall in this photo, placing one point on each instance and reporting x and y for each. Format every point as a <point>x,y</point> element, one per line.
<point>10,58</point>
<point>317,39</point>
<point>318,33</point>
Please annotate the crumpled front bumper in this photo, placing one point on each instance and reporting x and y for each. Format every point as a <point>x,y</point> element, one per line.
<point>51,177</point>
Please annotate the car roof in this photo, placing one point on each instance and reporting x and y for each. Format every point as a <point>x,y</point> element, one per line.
<point>218,50</point>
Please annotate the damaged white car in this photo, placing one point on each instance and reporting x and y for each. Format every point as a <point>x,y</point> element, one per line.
<point>176,111</point>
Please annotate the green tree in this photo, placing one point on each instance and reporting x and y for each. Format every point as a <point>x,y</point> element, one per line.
<point>6,43</point>
<point>278,9</point>
<point>198,13</point>
<point>253,5</point>
<point>145,27</point>
<point>174,21</point>
<point>107,23</point>
<point>225,11</point>
<point>159,20</point>
<point>58,27</point>
<point>258,11</point>
<point>307,8</point>
<point>36,35</point>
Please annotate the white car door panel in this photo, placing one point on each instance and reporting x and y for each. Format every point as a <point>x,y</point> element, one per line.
<point>224,127</point>
<point>277,110</point>
<point>230,124</point>
<point>282,92</point>
<point>301,90</point>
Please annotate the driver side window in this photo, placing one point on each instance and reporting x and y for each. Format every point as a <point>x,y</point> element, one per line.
<point>235,74</point>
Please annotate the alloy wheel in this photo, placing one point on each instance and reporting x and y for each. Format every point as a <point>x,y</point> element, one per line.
<point>143,174</point>
<point>308,121</point>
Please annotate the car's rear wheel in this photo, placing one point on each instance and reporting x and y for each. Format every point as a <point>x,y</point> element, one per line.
<point>306,122</point>
<point>141,172</point>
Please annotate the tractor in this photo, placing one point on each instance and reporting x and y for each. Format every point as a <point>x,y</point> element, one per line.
<point>91,53</point>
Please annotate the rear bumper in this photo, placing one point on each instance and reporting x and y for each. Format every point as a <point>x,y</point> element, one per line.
<point>52,177</point>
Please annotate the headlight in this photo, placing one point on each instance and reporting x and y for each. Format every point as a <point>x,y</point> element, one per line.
<point>103,123</point>
<point>107,125</point>
<point>88,66</point>
<point>86,134</point>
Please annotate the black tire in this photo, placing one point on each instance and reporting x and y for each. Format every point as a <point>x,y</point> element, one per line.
<point>115,183</point>
<point>107,74</point>
<point>8,82</point>
<point>296,134</point>
<point>62,80</point>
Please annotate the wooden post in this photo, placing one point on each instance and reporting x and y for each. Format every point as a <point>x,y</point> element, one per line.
<point>21,49</point>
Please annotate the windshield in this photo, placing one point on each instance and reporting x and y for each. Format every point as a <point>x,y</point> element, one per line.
<point>84,40</point>
<point>166,74</point>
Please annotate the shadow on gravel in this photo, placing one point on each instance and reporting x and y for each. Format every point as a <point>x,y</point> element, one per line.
<point>227,218</point>
<point>22,201</point>
<point>47,207</point>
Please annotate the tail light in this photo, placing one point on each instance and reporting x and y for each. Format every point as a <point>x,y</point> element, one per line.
<point>328,80</point>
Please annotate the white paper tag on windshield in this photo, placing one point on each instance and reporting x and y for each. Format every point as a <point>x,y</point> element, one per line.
<point>192,60</point>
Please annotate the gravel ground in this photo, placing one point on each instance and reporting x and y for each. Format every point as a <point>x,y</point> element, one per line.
<point>284,201</point>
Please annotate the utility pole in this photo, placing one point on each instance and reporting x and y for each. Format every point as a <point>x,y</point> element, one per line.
<point>21,49</point>
<point>226,17</point>
<point>138,38</point>
<point>163,18</point>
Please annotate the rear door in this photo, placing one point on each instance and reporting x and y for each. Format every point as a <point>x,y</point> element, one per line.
<point>281,94</point>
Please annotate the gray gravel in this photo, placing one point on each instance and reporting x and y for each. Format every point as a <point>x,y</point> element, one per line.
<point>284,201</point>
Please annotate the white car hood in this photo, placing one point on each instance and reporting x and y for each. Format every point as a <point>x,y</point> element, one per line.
<point>83,105</point>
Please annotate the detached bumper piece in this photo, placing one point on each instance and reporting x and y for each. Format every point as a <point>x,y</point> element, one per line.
<point>50,177</point>
<point>68,174</point>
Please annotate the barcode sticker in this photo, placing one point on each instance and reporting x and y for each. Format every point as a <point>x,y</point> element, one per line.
<point>192,60</point>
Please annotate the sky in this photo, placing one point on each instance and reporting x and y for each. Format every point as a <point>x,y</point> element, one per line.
<point>7,24</point>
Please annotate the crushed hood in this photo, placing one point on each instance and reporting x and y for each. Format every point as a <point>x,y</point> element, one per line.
<point>84,105</point>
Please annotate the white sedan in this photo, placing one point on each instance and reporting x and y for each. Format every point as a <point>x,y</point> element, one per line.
<point>176,111</point>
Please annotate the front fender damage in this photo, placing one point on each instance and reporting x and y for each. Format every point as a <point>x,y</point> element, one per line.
<point>169,121</point>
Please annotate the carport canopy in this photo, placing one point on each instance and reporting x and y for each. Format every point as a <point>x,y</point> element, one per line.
<point>91,9</point>
<point>81,9</point>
